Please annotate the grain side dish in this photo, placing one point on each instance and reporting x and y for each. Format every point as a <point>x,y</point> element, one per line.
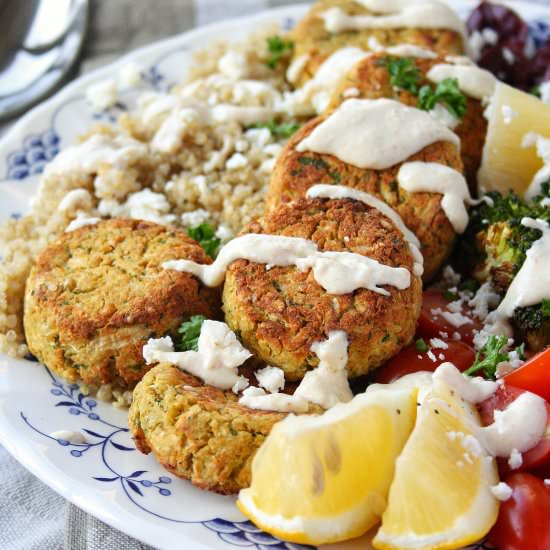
<point>316,272</point>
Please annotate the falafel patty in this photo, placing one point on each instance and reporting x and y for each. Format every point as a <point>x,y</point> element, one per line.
<point>295,172</point>
<point>96,295</point>
<point>279,312</point>
<point>370,79</point>
<point>196,431</point>
<point>312,39</point>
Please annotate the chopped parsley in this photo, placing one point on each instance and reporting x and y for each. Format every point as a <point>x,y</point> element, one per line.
<point>446,92</point>
<point>404,74</point>
<point>190,331</point>
<point>285,129</point>
<point>278,48</point>
<point>535,90</point>
<point>421,345</point>
<point>205,235</point>
<point>318,163</point>
<point>545,307</point>
<point>491,354</point>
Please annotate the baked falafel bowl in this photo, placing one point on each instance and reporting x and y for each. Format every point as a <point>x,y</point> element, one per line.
<point>309,278</point>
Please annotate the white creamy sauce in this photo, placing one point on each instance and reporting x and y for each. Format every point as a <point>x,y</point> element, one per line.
<point>471,389</point>
<point>531,284</point>
<point>517,428</point>
<point>77,223</point>
<point>343,192</point>
<point>410,50</point>
<point>422,15</point>
<point>74,199</point>
<point>88,156</point>
<point>70,436</point>
<point>315,95</point>
<point>532,139</point>
<point>430,177</point>
<point>327,385</point>
<point>473,81</point>
<point>216,361</point>
<point>296,67</point>
<point>369,133</point>
<point>257,398</point>
<point>271,379</point>
<point>336,272</point>
<point>443,115</point>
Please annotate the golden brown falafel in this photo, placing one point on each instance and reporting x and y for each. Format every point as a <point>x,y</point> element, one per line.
<point>278,313</point>
<point>96,295</point>
<point>372,80</point>
<point>295,172</point>
<point>197,432</point>
<point>311,39</point>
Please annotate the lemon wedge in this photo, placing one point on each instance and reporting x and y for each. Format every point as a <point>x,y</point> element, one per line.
<point>441,496</point>
<point>506,164</point>
<point>321,479</point>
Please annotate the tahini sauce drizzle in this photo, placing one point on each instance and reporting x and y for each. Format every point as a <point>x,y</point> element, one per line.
<point>325,191</point>
<point>473,81</point>
<point>375,134</point>
<point>336,272</point>
<point>431,177</point>
<point>404,14</point>
<point>531,285</point>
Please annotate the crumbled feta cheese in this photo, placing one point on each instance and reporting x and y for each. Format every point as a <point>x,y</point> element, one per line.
<point>195,217</point>
<point>102,95</point>
<point>233,64</point>
<point>508,114</point>
<point>431,355</point>
<point>215,362</point>
<point>224,233</point>
<point>502,491</point>
<point>547,482</point>
<point>258,137</point>
<point>450,276</point>
<point>257,398</point>
<point>271,379</point>
<point>438,344</point>
<point>545,91</point>
<point>236,161</point>
<point>515,459</point>
<point>146,205</point>
<point>455,319</point>
<point>509,56</point>
<point>351,92</point>
<point>129,76</point>
<point>76,438</point>
<point>484,299</point>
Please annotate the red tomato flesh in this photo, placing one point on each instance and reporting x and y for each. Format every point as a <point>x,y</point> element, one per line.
<point>534,375</point>
<point>523,521</point>
<point>410,360</point>
<point>432,323</point>
<point>538,456</point>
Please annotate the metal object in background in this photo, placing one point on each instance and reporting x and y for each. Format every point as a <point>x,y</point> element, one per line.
<point>39,42</point>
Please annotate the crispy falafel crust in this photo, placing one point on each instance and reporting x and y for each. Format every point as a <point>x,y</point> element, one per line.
<point>371,77</point>
<point>280,312</point>
<point>197,432</point>
<point>310,37</point>
<point>97,294</point>
<point>294,173</point>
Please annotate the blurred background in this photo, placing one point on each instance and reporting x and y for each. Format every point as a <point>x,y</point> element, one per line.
<point>45,43</point>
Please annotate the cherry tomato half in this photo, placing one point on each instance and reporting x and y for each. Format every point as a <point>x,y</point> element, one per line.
<point>534,375</point>
<point>410,360</point>
<point>538,456</point>
<point>523,521</point>
<point>432,323</point>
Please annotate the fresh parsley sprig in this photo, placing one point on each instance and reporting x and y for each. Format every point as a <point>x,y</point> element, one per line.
<point>404,74</point>
<point>190,331</point>
<point>285,129</point>
<point>205,235</point>
<point>491,354</point>
<point>278,48</point>
<point>446,92</point>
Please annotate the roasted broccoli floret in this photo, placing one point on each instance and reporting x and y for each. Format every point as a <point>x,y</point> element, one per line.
<point>496,243</point>
<point>501,242</point>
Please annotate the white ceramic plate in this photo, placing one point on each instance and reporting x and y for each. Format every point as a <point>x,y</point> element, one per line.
<point>107,477</point>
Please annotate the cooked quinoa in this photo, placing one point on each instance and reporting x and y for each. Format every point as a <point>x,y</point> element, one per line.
<point>160,163</point>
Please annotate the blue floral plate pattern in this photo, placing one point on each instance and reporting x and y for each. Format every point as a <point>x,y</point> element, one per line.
<point>107,476</point>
